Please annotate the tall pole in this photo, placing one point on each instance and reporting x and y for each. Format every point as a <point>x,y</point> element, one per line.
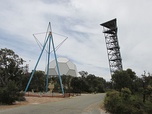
<point>36,65</point>
<point>48,64</point>
<point>57,67</point>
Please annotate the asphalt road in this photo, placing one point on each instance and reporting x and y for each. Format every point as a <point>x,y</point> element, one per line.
<point>85,104</point>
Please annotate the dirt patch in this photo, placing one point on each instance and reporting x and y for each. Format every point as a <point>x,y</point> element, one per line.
<point>102,109</point>
<point>31,100</point>
<point>40,100</point>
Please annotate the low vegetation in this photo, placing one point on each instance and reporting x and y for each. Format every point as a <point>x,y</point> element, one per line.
<point>130,94</point>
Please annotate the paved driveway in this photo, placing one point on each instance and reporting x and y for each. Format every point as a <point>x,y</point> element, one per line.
<point>85,104</point>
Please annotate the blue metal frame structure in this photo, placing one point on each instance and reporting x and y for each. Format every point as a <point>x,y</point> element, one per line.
<point>48,40</point>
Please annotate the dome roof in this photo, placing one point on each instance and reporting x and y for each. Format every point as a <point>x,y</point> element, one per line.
<point>66,67</point>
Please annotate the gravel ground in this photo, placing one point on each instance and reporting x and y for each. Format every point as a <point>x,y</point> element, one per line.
<point>31,100</point>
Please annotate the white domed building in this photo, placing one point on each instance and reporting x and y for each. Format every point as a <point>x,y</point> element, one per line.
<point>66,67</point>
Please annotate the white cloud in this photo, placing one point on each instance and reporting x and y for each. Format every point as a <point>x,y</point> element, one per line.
<point>80,21</point>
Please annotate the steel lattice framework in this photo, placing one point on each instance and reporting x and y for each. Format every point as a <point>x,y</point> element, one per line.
<point>48,41</point>
<point>113,49</point>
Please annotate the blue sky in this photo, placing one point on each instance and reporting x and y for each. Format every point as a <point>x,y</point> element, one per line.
<point>80,21</point>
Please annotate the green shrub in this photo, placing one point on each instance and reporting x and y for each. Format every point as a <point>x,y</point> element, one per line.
<point>124,103</point>
<point>148,107</point>
<point>10,93</point>
<point>21,97</point>
<point>125,93</point>
<point>111,101</point>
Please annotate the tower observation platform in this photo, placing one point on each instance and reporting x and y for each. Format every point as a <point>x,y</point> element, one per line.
<point>113,49</point>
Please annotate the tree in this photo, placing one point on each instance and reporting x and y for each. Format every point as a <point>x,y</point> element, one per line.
<point>95,84</point>
<point>83,74</point>
<point>123,79</point>
<point>147,87</point>
<point>108,85</point>
<point>10,67</point>
<point>10,76</point>
<point>137,85</point>
<point>66,80</point>
<point>131,74</point>
<point>76,85</point>
<point>38,82</point>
